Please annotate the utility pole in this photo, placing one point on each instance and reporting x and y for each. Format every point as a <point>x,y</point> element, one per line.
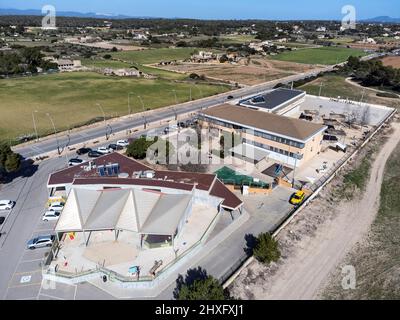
<point>34,125</point>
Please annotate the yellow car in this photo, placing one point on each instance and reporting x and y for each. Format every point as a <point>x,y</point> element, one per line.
<point>297,198</point>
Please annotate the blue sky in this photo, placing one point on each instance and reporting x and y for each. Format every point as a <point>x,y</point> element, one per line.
<point>220,9</point>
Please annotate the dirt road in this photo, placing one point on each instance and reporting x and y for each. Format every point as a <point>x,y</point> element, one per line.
<point>305,272</point>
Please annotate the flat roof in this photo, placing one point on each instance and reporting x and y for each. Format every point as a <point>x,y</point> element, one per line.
<point>273,99</point>
<point>275,124</point>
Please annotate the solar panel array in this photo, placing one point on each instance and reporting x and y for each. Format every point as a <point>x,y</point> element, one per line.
<point>109,170</point>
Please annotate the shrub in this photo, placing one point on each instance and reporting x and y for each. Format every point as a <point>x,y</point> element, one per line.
<point>266,249</point>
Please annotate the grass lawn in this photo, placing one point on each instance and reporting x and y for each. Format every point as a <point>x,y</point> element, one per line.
<point>241,38</point>
<point>324,55</point>
<point>101,63</point>
<point>71,99</point>
<point>154,55</point>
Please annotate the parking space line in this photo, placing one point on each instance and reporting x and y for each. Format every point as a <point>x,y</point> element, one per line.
<point>26,285</point>
<point>50,296</point>
<point>31,298</point>
<point>76,288</point>
<point>33,260</point>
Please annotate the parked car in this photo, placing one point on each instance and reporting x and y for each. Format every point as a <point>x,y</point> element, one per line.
<point>123,143</point>
<point>229,97</point>
<point>174,127</point>
<point>83,151</point>
<point>56,206</point>
<point>51,215</point>
<point>297,198</point>
<point>41,241</point>
<point>182,124</point>
<point>6,204</point>
<point>94,154</point>
<point>104,150</point>
<point>75,162</point>
<point>166,130</point>
<point>2,219</point>
<point>115,147</point>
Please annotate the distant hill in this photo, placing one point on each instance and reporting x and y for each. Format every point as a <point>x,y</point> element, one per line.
<point>33,12</point>
<point>383,19</point>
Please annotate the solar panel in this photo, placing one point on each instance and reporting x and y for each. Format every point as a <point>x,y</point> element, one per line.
<point>101,171</point>
<point>115,168</point>
<point>109,170</point>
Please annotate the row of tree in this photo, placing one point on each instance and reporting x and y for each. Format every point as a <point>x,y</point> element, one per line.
<point>372,73</point>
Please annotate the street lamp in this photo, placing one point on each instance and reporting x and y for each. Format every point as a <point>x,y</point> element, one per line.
<point>104,117</point>
<point>144,118</point>
<point>55,133</point>
<point>129,102</point>
<point>34,124</point>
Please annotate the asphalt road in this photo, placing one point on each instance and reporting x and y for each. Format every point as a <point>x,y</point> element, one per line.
<point>50,144</point>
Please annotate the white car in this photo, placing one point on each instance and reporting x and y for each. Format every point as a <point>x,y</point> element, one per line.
<point>6,204</point>
<point>123,143</point>
<point>75,162</point>
<point>56,206</point>
<point>104,150</point>
<point>51,215</point>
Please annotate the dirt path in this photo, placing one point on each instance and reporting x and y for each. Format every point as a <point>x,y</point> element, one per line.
<point>305,272</point>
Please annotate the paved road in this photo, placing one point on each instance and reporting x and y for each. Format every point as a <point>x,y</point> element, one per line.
<point>84,135</point>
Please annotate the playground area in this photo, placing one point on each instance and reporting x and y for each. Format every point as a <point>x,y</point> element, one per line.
<point>128,255</point>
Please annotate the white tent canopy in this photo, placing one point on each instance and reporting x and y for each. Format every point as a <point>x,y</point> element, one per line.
<point>127,209</point>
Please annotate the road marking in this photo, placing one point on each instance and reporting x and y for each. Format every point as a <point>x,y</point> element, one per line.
<point>25,285</point>
<point>26,279</point>
<point>50,296</point>
<point>33,260</point>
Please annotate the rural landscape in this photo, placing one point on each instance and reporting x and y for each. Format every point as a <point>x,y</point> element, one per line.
<point>239,157</point>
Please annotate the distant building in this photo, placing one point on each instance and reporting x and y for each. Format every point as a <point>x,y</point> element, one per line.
<point>266,135</point>
<point>68,65</point>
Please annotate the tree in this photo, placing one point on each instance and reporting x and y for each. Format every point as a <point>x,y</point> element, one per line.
<point>138,148</point>
<point>107,56</point>
<point>13,162</point>
<point>198,285</point>
<point>9,161</point>
<point>266,249</point>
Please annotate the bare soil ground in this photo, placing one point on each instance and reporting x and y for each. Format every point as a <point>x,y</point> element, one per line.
<point>247,71</point>
<point>392,61</point>
<point>319,238</point>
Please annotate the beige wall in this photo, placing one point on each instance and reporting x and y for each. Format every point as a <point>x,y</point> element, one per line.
<point>310,150</point>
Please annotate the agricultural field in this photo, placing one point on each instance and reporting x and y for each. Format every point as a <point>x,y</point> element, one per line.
<point>248,72</point>
<point>334,86</point>
<point>70,99</point>
<point>152,56</point>
<point>393,61</point>
<point>322,56</point>
<point>238,39</point>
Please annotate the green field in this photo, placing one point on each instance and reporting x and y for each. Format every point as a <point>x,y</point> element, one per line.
<point>71,99</point>
<point>237,39</point>
<point>324,55</point>
<point>154,55</point>
<point>102,63</point>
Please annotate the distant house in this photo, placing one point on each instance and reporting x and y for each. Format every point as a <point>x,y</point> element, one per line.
<point>68,65</point>
<point>126,72</point>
